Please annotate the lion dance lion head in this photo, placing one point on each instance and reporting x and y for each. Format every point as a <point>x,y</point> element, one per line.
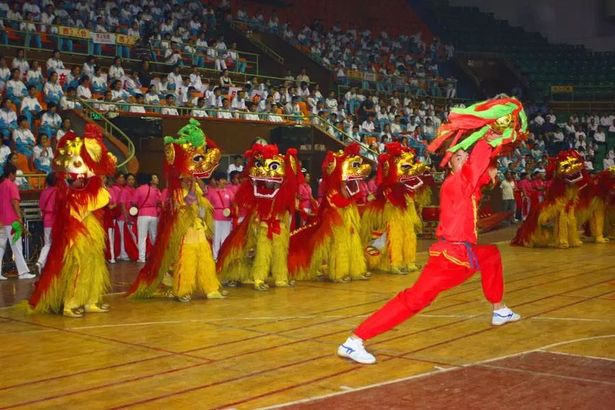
<point>398,165</point>
<point>567,166</point>
<point>79,159</point>
<point>191,154</point>
<point>343,171</point>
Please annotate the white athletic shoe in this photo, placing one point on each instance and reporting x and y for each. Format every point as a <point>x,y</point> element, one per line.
<point>504,315</point>
<point>353,349</point>
<point>27,275</point>
<point>2,277</point>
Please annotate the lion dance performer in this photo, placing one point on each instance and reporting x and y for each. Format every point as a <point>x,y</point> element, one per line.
<point>553,223</point>
<point>331,246</point>
<point>390,222</point>
<point>487,126</point>
<point>182,259</point>
<point>258,247</point>
<point>597,204</point>
<point>75,276</point>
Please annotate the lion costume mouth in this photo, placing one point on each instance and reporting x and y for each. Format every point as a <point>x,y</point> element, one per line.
<point>77,181</point>
<point>203,174</point>
<point>574,178</point>
<point>266,187</point>
<point>352,185</point>
<point>411,182</point>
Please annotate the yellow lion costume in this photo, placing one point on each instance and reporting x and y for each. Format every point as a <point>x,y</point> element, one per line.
<point>553,222</point>
<point>596,206</point>
<point>258,247</point>
<point>390,223</point>
<point>75,277</point>
<point>182,259</point>
<point>331,246</point>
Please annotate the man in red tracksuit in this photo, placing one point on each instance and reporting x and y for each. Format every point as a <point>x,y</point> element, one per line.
<point>453,259</point>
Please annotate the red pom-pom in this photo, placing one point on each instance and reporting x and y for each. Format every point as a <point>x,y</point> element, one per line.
<point>352,149</point>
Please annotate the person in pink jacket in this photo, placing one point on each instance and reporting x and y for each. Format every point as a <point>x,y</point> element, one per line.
<point>47,205</point>
<point>125,217</point>
<point>307,204</point>
<point>147,199</point>
<point>220,195</point>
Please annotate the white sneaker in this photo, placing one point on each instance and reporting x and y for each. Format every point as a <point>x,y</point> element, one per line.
<point>27,275</point>
<point>111,261</point>
<point>141,261</point>
<point>353,349</point>
<point>504,315</point>
<point>2,277</point>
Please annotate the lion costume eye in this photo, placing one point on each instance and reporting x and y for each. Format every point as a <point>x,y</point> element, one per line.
<point>198,158</point>
<point>274,166</point>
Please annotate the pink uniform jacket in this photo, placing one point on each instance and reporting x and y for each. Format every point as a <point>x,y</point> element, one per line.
<point>147,198</point>
<point>47,204</point>
<point>221,199</point>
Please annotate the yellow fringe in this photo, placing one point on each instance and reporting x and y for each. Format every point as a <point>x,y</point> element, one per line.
<point>260,257</point>
<point>196,269</point>
<point>186,217</point>
<point>564,229</point>
<point>346,256</point>
<point>400,226</point>
<point>84,278</point>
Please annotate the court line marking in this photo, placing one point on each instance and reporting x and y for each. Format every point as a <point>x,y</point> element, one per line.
<point>557,376</point>
<point>180,353</point>
<point>610,359</point>
<point>426,374</point>
<point>304,383</point>
<point>315,316</point>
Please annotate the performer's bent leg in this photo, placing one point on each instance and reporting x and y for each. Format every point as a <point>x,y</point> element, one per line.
<point>438,275</point>
<point>206,272</point>
<point>279,260</point>
<point>357,263</point>
<point>184,276</point>
<point>490,262</point>
<point>395,238</point>
<point>339,255</point>
<point>262,259</point>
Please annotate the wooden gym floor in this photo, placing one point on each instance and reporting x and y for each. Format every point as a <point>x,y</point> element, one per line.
<point>268,349</point>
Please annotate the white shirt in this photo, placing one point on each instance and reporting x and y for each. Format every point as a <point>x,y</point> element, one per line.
<point>44,155</point>
<point>137,108</point>
<point>169,111</point>
<point>225,114</point>
<point>233,167</point>
<point>53,64</point>
<point>84,92</point>
<point>599,136</point>
<point>200,112</point>
<point>22,64</point>
<point>368,126</point>
<point>116,72</point>
<point>51,119</point>
<point>50,88</point>
<point>31,103</point>
<point>18,87</point>
<point>24,136</point>
<point>508,188</point>
<point>4,153</point>
<point>152,99</point>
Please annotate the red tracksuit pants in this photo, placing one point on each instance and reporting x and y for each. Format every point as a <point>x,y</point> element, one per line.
<point>439,274</point>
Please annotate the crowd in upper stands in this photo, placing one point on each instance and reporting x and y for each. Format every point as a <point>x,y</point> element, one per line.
<point>403,63</point>
<point>35,95</point>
